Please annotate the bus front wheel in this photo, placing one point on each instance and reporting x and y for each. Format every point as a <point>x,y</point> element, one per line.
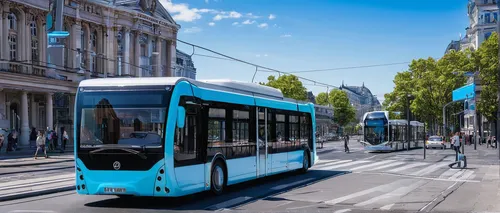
<point>218,178</point>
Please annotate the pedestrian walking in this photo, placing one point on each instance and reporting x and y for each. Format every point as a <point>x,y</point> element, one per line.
<point>64,139</point>
<point>456,145</point>
<point>40,144</point>
<point>346,143</point>
<point>2,139</point>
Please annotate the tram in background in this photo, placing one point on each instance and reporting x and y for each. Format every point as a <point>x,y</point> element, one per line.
<point>382,134</point>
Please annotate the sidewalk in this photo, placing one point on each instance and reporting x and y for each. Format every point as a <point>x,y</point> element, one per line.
<point>24,157</point>
<point>36,186</point>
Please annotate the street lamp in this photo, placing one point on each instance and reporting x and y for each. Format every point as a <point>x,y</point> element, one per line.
<point>408,127</point>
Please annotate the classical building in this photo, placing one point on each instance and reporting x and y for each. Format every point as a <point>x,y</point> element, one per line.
<point>362,99</point>
<point>184,66</point>
<point>108,38</point>
<point>483,17</point>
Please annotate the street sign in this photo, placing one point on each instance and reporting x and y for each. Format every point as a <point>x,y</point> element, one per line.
<point>58,34</point>
<point>55,42</point>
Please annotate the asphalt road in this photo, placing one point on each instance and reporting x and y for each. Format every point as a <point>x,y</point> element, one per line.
<point>341,182</point>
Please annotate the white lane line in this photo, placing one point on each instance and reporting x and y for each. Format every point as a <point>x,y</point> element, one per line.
<point>385,166</point>
<point>409,166</point>
<point>364,192</point>
<point>285,203</point>
<point>401,191</point>
<point>342,211</point>
<point>429,169</point>
<point>325,161</point>
<point>334,163</point>
<point>454,177</point>
<point>280,187</point>
<point>229,203</point>
<point>448,173</point>
<point>343,165</point>
<point>387,207</point>
<point>466,175</point>
<point>372,164</point>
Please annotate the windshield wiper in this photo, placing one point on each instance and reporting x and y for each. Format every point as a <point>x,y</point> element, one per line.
<point>135,152</point>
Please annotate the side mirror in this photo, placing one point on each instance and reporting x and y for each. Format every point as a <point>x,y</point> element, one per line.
<point>181,116</point>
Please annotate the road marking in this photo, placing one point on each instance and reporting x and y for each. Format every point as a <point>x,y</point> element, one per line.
<point>325,161</point>
<point>228,203</point>
<point>280,187</point>
<point>387,207</point>
<point>465,175</point>
<point>454,177</point>
<point>429,169</point>
<point>372,164</point>
<point>385,166</point>
<point>334,163</point>
<point>449,173</point>
<point>493,173</point>
<point>342,211</point>
<point>285,203</point>
<point>343,165</point>
<point>32,211</point>
<point>409,166</point>
<point>423,178</point>
<point>402,191</point>
<point>364,192</point>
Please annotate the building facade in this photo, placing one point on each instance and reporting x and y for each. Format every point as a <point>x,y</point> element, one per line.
<point>184,66</point>
<point>362,99</point>
<point>108,38</point>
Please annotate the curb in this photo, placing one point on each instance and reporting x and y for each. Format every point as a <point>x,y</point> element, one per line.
<point>34,164</point>
<point>36,193</point>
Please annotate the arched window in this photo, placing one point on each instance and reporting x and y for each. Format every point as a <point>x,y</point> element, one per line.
<point>34,40</point>
<point>12,36</point>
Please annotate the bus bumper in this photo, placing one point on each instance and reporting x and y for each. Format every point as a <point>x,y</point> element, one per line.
<point>136,183</point>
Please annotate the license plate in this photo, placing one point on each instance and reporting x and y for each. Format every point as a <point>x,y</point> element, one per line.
<point>114,190</point>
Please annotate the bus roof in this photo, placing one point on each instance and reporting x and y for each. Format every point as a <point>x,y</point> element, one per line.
<point>218,84</point>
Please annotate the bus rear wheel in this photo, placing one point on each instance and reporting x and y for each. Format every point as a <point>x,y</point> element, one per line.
<point>218,178</point>
<point>305,162</point>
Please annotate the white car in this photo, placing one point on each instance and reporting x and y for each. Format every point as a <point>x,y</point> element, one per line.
<point>435,141</point>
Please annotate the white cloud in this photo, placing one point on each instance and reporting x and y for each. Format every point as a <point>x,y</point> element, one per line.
<point>259,55</point>
<point>206,1</point>
<point>211,24</point>
<point>252,16</point>
<point>272,16</point>
<point>265,55</point>
<point>182,12</point>
<point>192,30</point>
<point>235,23</point>
<point>263,25</point>
<point>225,15</point>
<point>286,36</point>
<point>248,22</point>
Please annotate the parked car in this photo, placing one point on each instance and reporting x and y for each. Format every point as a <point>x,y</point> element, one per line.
<point>435,142</point>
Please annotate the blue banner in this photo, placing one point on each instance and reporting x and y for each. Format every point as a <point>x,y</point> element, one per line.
<point>465,92</point>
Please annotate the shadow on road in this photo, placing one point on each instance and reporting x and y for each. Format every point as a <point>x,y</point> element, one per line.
<point>236,195</point>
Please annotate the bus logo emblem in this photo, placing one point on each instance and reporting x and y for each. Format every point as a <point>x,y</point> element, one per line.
<point>116,165</point>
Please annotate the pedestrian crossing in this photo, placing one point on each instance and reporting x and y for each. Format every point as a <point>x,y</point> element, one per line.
<point>426,170</point>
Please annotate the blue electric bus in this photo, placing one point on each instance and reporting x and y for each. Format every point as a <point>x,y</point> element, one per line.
<point>175,136</point>
<point>382,134</point>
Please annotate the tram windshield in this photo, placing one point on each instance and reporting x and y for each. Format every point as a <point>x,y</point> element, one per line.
<point>375,131</point>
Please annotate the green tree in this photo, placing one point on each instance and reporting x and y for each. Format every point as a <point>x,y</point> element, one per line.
<point>344,113</point>
<point>486,61</point>
<point>290,86</point>
<point>430,82</point>
<point>322,99</point>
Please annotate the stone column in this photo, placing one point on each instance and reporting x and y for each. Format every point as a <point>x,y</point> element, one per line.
<point>33,110</point>
<point>126,52</point>
<point>71,105</point>
<point>158,62</point>
<point>49,111</point>
<point>5,33</point>
<point>110,52</point>
<point>7,111</point>
<point>137,54</point>
<point>171,57</point>
<point>1,33</point>
<point>75,44</point>
<point>3,109</point>
<point>25,129</point>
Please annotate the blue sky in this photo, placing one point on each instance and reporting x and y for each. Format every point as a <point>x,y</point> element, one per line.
<point>295,35</point>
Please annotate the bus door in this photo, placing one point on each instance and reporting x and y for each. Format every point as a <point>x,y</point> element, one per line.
<point>262,142</point>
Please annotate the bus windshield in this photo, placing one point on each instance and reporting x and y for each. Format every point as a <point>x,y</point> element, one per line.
<point>122,118</point>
